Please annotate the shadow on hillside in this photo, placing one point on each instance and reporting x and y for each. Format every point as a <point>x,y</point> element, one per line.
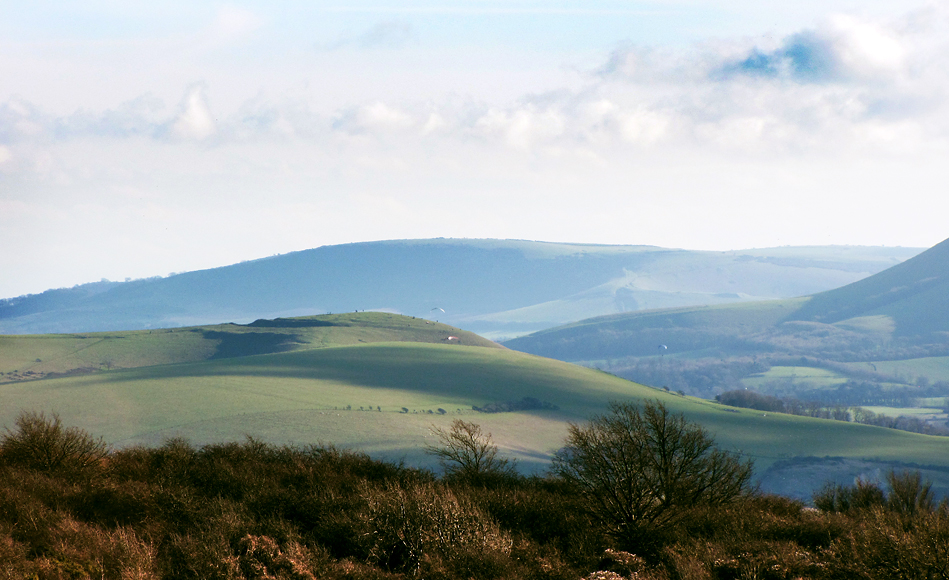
<point>290,323</point>
<point>448,371</point>
<point>234,344</point>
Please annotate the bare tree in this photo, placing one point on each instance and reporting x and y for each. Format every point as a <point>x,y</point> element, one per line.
<point>466,451</point>
<point>638,470</point>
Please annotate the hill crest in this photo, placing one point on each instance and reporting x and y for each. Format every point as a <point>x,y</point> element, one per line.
<point>498,288</point>
<point>913,294</point>
<point>32,357</point>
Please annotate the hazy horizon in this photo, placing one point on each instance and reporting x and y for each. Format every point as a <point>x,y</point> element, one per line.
<point>141,140</point>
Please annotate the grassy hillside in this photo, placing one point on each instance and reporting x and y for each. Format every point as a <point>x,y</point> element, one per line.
<point>883,339</point>
<point>494,287</point>
<point>681,330</point>
<point>912,294</point>
<point>383,398</point>
<point>906,301</point>
<point>820,378</point>
<point>910,370</point>
<point>25,357</point>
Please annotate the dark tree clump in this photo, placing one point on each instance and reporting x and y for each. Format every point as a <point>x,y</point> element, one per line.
<point>639,470</point>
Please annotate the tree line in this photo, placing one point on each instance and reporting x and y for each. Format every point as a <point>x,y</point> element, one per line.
<point>751,400</point>
<point>709,377</point>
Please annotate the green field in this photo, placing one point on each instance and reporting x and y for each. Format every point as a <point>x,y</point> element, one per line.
<point>934,368</point>
<point>27,357</point>
<point>919,412</point>
<point>815,377</point>
<point>378,383</point>
<point>313,396</point>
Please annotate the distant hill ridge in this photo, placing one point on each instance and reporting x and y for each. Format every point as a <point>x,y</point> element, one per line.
<point>914,294</point>
<point>908,302</point>
<point>494,287</point>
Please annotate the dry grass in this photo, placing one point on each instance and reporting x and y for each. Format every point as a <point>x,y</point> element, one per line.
<point>254,511</point>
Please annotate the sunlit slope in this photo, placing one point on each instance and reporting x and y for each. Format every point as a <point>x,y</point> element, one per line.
<point>936,368</point>
<point>315,396</point>
<point>37,356</point>
<point>914,294</point>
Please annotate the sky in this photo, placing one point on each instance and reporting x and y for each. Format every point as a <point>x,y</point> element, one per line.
<point>143,138</point>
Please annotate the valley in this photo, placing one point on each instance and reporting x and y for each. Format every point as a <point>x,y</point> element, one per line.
<point>378,383</point>
<point>881,342</point>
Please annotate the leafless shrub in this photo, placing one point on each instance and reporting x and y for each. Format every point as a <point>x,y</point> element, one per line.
<point>42,443</point>
<point>465,450</point>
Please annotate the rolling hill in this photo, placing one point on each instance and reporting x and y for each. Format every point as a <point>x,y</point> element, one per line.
<point>348,382</point>
<point>31,357</point>
<point>906,303</point>
<point>912,296</point>
<point>498,288</point>
<point>840,347</point>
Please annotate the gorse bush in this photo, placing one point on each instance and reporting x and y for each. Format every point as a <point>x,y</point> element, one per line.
<point>908,494</point>
<point>834,497</point>
<point>886,544</point>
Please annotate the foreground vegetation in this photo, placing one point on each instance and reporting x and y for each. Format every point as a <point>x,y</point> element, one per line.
<point>69,508</point>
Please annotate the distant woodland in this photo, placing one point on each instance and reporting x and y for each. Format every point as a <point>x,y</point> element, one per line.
<point>721,379</point>
<point>709,377</point>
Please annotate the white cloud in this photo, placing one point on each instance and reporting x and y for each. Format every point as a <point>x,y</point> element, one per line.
<point>522,127</point>
<point>843,49</point>
<point>642,126</point>
<point>377,117</point>
<point>828,88</point>
<point>195,120</point>
<point>21,120</point>
<point>845,85</point>
<point>866,47</point>
<point>434,123</point>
